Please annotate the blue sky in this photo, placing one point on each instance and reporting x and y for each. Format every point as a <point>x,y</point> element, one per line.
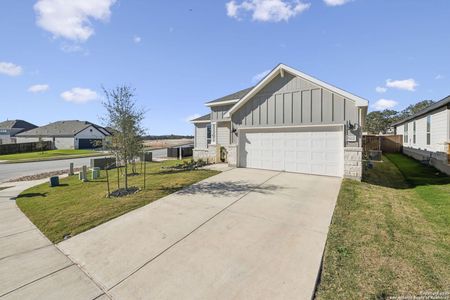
<point>55,55</point>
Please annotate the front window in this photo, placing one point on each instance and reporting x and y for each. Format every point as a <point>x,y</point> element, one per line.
<point>208,134</point>
<point>414,132</point>
<point>405,134</point>
<point>213,133</point>
<point>428,130</point>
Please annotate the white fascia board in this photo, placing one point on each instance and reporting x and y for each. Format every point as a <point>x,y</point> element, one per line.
<point>359,102</point>
<point>202,121</point>
<point>256,128</point>
<point>232,101</point>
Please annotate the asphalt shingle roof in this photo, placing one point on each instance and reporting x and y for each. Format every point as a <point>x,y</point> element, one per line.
<point>206,117</point>
<point>430,108</point>
<point>60,128</point>
<point>235,96</point>
<point>9,124</point>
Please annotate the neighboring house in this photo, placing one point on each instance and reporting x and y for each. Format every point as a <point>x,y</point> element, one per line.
<point>9,129</point>
<point>426,134</point>
<point>67,135</point>
<point>289,121</point>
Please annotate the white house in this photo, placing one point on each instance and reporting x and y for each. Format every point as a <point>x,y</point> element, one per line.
<point>426,135</point>
<point>71,134</point>
<point>289,121</point>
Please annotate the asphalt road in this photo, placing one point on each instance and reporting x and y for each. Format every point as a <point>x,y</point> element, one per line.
<point>11,171</point>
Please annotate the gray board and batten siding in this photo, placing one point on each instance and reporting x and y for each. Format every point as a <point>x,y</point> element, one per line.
<point>291,101</point>
<point>218,112</point>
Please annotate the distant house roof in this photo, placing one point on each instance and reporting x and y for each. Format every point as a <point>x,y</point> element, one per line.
<point>432,107</point>
<point>236,96</point>
<point>19,124</point>
<point>62,128</point>
<point>202,119</point>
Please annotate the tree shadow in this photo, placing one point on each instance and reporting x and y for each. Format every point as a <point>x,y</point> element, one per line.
<point>31,195</point>
<point>228,188</point>
<point>399,171</point>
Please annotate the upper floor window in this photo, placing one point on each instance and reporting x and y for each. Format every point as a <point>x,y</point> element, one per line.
<point>405,134</point>
<point>428,130</point>
<point>414,132</point>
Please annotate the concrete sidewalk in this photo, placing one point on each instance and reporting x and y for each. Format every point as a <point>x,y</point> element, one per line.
<point>242,234</point>
<point>31,267</point>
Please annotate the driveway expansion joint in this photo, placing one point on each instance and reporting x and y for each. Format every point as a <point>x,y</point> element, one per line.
<point>191,232</point>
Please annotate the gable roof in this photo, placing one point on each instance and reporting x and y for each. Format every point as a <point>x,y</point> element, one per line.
<point>61,128</point>
<point>231,98</point>
<point>20,124</point>
<point>203,119</point>
<point>432,107</point>
<point>280,69</point>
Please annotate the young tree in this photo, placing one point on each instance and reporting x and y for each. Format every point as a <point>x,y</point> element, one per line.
<point>125,119</point>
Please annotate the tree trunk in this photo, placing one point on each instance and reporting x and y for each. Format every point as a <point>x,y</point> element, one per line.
<point>126,175</point>
<point>118,177</point>
<point>107,181</point>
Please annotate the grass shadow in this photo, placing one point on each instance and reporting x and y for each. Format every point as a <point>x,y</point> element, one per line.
<point>412,173</point>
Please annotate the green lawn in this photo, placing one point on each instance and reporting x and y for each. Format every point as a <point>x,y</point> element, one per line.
<point>75,206</point>
<point>390,234</point>
<point>47,155</point>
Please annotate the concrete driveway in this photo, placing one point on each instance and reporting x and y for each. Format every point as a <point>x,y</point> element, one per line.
<point>243,234</point>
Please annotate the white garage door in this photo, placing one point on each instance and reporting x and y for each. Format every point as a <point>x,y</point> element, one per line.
<point>311,150</point>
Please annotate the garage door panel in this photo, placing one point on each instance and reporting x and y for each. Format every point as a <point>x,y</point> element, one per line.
<point>312,152</point>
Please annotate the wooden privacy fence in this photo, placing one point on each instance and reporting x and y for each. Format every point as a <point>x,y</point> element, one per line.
<point>385,143</point>
<point>25,147</point>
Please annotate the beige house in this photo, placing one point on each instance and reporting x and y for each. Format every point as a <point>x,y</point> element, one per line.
<point>290,122</point>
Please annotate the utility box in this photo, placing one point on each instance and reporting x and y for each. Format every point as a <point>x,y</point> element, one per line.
<point>375,155</point>
<point>95,173</point>
<point>54,181</point>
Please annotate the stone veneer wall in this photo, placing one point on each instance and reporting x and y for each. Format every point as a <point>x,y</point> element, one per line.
<point>439,160</point>
<point>232,155</point>
<point>353,163</point>
<point>206,154</point>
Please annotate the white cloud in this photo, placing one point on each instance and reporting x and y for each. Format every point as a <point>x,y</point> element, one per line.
<point>10,69</point>
<point>384,104</point>
<point>192,117</point>
<point>137,39</point>
<point>260,76</point>
<point>380,89</point>
<point>407,84</point>
<point>79,95</point>
<point>336,2</point>
<point>38,88</point>
<point>267,10</point>
<point>71,19</point>
<point>439,76</point>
